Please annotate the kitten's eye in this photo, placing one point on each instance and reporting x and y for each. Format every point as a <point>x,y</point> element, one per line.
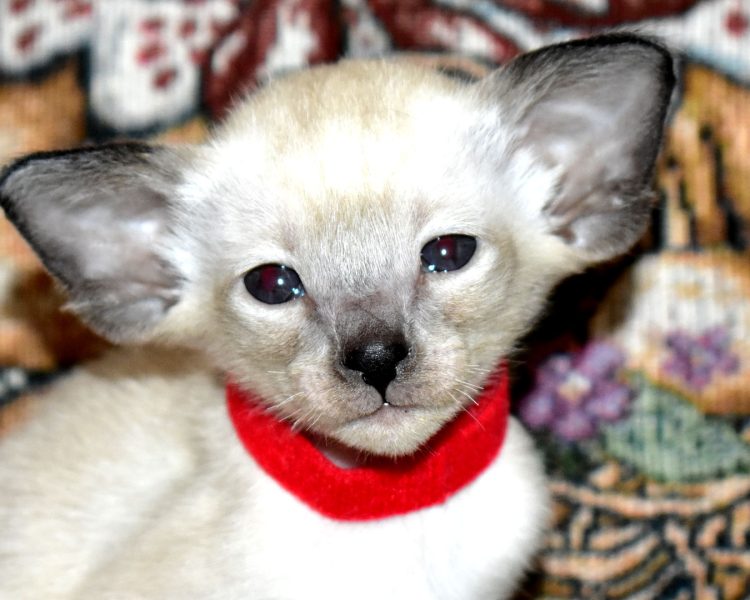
<point>273,284</point>
<point>448,252</point>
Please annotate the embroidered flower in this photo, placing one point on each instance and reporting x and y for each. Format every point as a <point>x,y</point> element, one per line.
<point>697,359</point>
<point>574,395</point>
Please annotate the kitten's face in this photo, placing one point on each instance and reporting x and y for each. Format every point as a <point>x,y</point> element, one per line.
<point>346,177</point>
<point>351,207</point>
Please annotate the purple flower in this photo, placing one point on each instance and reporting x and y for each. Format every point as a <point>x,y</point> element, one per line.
<point>696,359</point>
<point>575,394</point>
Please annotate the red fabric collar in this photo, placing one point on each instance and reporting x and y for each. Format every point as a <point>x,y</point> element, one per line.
<point>452,459</point>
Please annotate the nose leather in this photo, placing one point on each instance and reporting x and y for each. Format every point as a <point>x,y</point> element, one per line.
<point>376,360</point>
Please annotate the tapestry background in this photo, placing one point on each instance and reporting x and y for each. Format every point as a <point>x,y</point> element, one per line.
<point>637,383</point>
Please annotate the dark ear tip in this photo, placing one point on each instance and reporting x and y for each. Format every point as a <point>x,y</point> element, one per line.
<point>611,41</point>
<point>658,48</point>
<point>651,44</point>
<point>606,48</point>
<point>616,38</point>
<point>112,152</point>
<point>8,177</point>
<point>619,38</point>
<point>7,203</point>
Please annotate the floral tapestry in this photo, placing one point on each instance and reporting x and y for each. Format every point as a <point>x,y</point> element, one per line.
<point>636,382</point>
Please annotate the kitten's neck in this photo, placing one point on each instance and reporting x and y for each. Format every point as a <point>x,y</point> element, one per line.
<point>342,484</point>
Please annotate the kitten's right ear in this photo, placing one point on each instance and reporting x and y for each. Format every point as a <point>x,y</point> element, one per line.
<point>100,218</point>
<point>591,113</point>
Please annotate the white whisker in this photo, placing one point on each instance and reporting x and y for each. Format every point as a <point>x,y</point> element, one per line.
<point>469,385</point>
<point>468,412</point>
<point>299,422</point>
<point>312,423</point>
<point>471,399</point>
<point>288,399</point>
<point>477,369</point>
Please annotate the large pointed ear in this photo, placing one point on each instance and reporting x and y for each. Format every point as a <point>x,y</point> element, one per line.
<point>592,111</point>
<point>99,219</point>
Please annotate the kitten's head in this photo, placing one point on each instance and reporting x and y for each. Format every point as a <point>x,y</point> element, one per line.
<point>362,244</point>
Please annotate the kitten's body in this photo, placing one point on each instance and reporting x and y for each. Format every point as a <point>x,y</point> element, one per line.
<point>173,507</point>
<point>288,249</point>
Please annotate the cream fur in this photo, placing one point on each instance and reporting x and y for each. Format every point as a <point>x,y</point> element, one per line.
<point>138,489</point>
<point>129,483</point>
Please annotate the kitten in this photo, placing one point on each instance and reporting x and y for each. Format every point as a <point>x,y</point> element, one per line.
<point>355,251</point>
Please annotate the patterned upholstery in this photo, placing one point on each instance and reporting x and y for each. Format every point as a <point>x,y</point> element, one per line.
<point>636,384</point>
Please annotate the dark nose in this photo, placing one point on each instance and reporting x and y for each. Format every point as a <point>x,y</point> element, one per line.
<point>376,360</point>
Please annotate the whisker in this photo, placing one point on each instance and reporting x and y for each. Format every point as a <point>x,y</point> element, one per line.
<point>300,410</point>
<point>298,423</point>
<point>469,385</point>
<point>468,412</point>
<point>315,420</point>
<point>460,391</point>
<point>289,399</point>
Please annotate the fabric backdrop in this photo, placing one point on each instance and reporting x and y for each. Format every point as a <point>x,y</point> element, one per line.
<point>636,385</point>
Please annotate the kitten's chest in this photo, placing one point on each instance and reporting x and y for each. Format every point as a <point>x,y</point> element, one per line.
<point>464,549</point>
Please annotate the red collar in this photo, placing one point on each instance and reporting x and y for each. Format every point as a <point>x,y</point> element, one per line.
<point>452,459</point>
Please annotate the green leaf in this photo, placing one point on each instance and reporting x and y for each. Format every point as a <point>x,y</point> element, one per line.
<point>668,439</point>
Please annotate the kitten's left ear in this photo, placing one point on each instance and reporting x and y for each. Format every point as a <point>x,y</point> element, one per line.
<point>101,220</point>
<point>592,111</point>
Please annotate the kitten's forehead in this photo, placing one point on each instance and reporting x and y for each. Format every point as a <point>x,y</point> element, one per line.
<point>343,177</point>
<point>357,127</point>
<point>374,93</point>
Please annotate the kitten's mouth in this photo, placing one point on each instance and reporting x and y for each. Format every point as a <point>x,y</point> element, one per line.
<point>394,410</point>
<point>388,414</point>
<point>386,407</point>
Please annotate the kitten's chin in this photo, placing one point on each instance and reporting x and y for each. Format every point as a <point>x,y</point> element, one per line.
<point>393,430</point>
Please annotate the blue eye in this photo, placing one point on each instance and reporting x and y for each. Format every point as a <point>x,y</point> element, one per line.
<point>448,253</point>
<point>273,284</point>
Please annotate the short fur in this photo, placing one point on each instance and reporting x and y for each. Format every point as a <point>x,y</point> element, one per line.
<point>128,482</point>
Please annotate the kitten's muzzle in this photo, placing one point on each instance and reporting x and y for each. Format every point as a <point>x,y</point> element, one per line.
<point>376,360</point>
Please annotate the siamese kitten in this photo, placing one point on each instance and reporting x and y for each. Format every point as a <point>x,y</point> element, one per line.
<point>356,249</point>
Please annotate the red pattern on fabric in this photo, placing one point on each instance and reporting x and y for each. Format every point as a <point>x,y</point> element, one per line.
<point>451,460</point>
<point>737,22</point>
<point>421,25</point>
<point>259,26</point>
<point>618,11</point>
